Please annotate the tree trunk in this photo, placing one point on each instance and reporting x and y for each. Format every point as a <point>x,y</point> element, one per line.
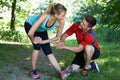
<point>12,26</point>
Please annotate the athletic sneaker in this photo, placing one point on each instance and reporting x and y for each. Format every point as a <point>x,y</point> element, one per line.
<point>34,74</point>
<point>94,66</point>
<point>66,72</point>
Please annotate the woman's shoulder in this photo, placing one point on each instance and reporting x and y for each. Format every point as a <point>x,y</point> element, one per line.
<point>44,14</point>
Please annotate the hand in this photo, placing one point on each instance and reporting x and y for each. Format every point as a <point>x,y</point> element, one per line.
<point>40,40</point>
<point>37,40</point>
<point>59,45</point>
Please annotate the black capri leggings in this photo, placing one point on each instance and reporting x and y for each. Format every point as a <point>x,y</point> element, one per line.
<point>45,47</point>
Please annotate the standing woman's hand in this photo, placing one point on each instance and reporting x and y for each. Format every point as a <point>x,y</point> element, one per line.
<point>41,41</point>
<point>37,40</point>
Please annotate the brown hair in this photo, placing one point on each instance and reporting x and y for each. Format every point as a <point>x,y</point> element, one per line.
<point>56,9</point>
<point>91,20</point>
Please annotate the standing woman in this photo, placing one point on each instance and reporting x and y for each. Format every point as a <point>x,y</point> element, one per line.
<point>36,27</point>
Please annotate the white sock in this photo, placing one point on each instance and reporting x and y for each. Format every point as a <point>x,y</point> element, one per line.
<point>88,67</point>
<point>75,67</point>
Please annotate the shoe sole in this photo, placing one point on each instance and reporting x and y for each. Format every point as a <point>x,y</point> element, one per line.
<point>97,67</point>
<point>34,77</point>
<point>66,76</point>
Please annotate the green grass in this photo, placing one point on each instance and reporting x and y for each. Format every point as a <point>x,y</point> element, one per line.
<point>109,61</point>
<point>11,53</point>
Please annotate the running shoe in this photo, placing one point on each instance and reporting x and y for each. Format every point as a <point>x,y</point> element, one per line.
<point>94,66</point>
<point>66,72</point>
<point>34,74</point>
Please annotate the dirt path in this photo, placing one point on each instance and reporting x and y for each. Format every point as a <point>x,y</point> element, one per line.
<point>20,70</point>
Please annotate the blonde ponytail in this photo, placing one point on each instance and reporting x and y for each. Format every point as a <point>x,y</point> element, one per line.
<point>56,9</point>
<point>49,8</point>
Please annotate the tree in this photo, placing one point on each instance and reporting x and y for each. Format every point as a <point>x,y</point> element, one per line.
<point>12,26</point>
<point>9,6</point>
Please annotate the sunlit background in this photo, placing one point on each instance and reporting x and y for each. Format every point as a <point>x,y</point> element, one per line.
<point>14,12</point>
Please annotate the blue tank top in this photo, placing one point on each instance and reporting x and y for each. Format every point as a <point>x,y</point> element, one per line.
<point>43,27</point>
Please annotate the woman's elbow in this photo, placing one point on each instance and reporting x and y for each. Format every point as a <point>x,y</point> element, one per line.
<point>30,34</point>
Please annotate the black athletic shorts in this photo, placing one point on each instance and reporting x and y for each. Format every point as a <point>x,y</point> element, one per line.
<point>79,57</point>
<point>45,47</point>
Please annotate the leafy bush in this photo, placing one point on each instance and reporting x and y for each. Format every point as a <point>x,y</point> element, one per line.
<point>108,34</point>
<point>113,35</point>
<point>13,35</point>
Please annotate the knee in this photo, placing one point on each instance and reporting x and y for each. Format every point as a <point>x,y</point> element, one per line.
<point>89,49</point>
<point>36,46</point>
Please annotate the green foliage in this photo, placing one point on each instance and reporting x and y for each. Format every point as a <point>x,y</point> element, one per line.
<point>108,34</point>
<point>24,8</point>
<point>113,34</point>
<point>12,35</point>
<point>106,13</point>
